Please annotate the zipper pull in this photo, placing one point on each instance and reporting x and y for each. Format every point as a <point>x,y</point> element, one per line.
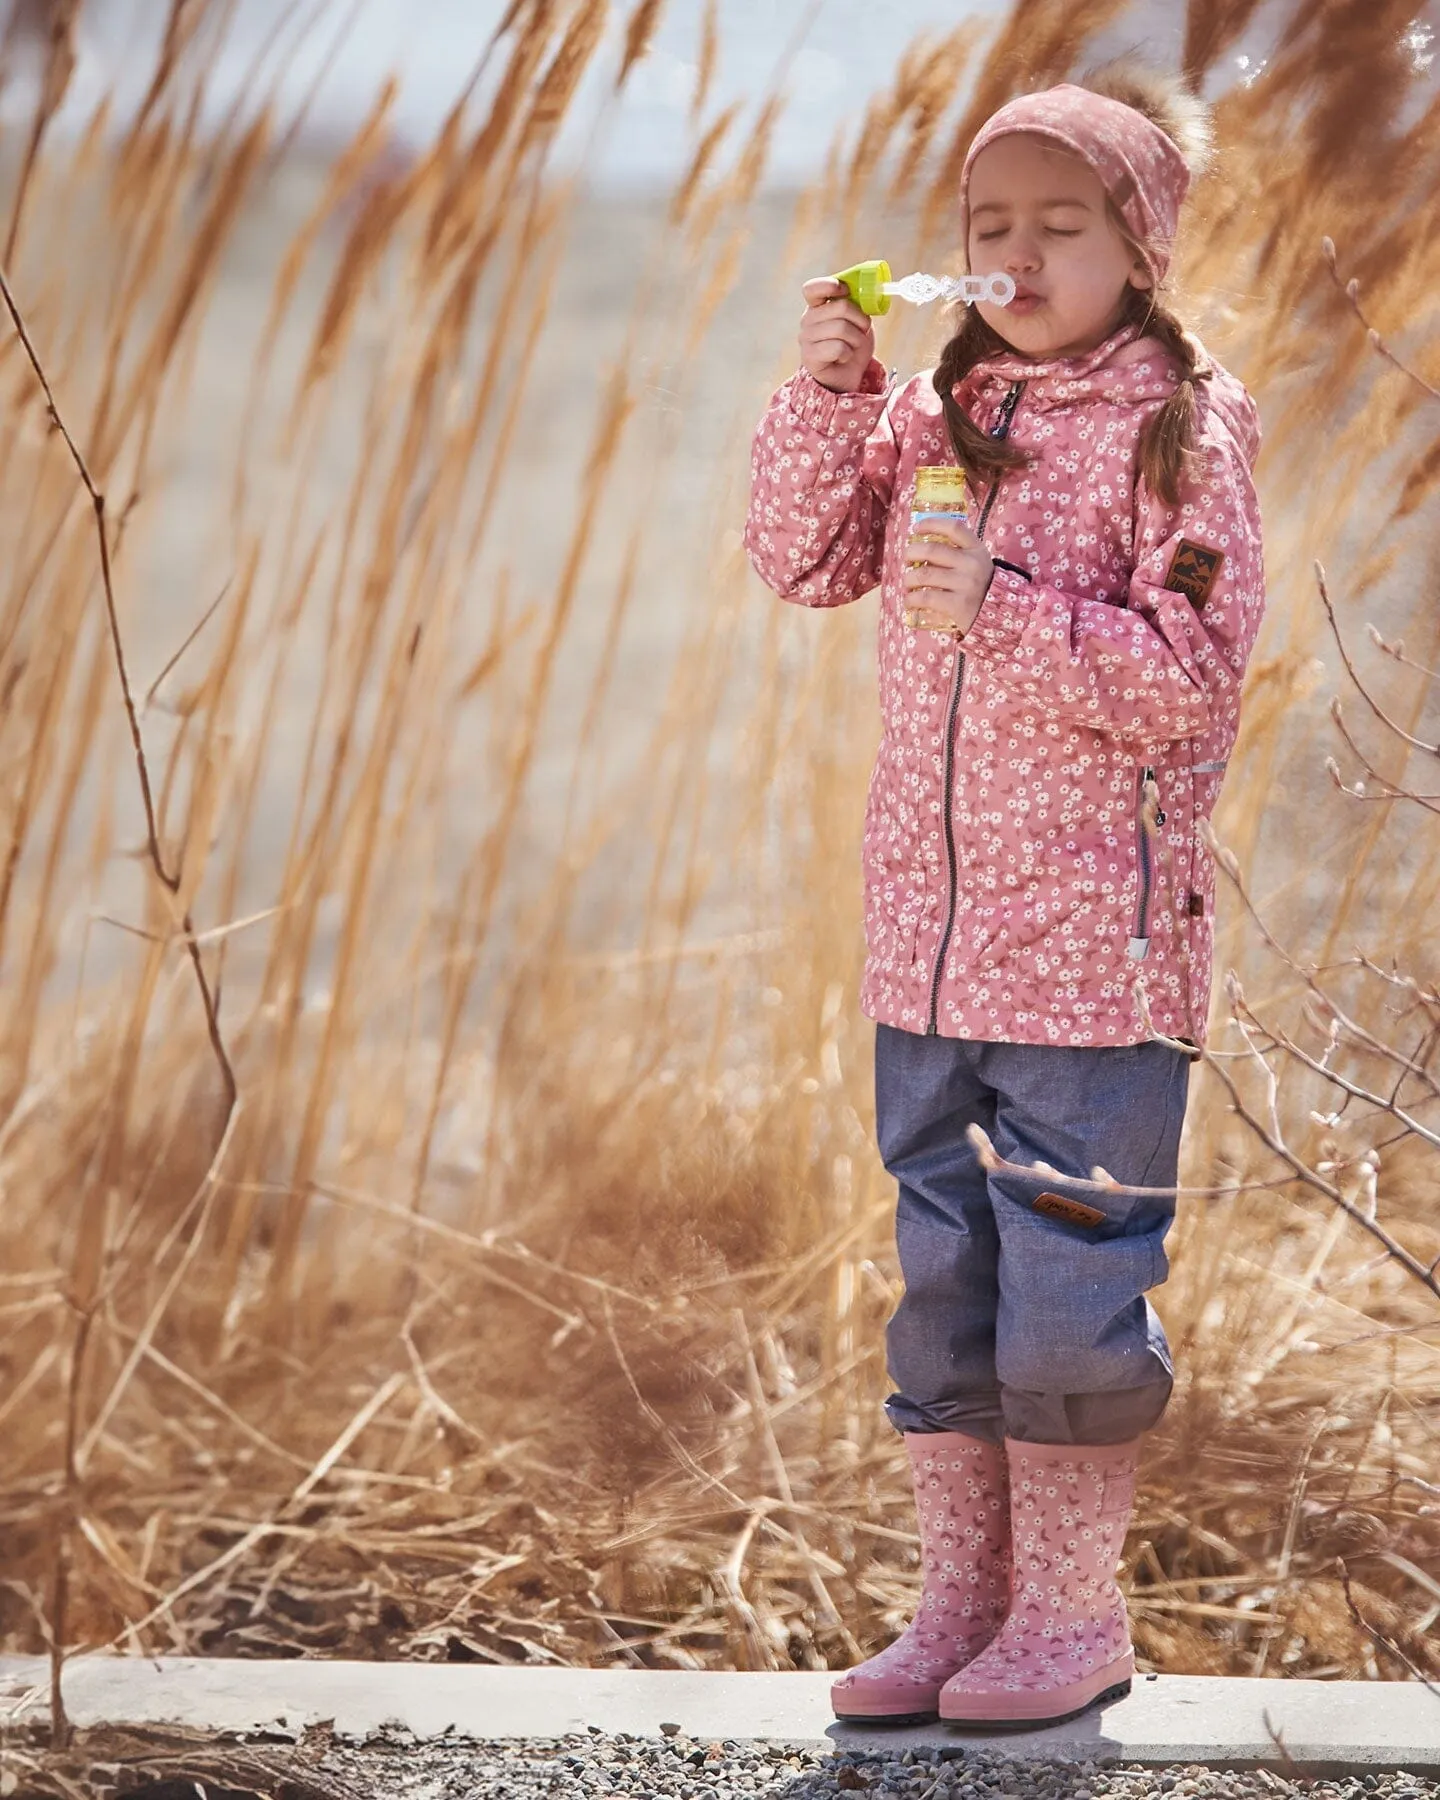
<point>1147,777</point>
<point>1001,427</point>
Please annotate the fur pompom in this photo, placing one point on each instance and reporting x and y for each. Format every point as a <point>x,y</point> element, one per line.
<point>1165,100</point>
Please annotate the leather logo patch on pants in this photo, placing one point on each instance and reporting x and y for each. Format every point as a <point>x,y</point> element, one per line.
<point>1073,1212</point>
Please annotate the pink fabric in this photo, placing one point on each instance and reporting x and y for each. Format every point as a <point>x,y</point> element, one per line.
<point>1078,676</point>
<point>1066,1639</point>
<point>1141,167</point>
<point>962,1504</point>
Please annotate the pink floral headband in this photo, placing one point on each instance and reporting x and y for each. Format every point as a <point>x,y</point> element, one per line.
<point>1140,166</point>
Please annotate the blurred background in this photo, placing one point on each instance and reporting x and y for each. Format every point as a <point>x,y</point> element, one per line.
<point>438,1208</point>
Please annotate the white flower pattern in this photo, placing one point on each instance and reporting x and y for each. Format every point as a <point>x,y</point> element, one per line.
<point>962,1505</point>
<point>1078,676</point>
<point>1069,1510</point>
<point>1141,168</point>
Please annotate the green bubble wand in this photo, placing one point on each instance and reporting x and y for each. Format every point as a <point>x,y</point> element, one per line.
<point>871,286</point>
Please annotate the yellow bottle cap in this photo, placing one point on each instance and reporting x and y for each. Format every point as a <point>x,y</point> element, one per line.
<point>865,280</point>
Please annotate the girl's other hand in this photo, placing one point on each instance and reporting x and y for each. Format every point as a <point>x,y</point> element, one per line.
<point>837,340</point>
<point>947,571</point>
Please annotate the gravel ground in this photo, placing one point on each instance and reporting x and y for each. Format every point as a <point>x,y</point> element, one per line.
<point>596,1766</point>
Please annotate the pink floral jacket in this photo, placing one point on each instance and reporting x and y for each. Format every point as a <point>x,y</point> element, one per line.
<point>1030,831</point>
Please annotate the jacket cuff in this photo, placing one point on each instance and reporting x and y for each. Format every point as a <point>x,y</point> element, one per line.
<point>1003,615</point>
<point>820,407</point>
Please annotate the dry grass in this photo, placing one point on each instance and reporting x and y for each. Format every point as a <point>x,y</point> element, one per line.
<point>527,1303</point>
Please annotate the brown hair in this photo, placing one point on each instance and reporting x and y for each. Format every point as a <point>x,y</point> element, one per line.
<point>1168,440</point>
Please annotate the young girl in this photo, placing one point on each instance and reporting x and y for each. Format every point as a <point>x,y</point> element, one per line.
<point>1060,686</point>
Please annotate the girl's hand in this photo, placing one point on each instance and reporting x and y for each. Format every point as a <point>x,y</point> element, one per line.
<point>951,577</point>
<point>837,340</point>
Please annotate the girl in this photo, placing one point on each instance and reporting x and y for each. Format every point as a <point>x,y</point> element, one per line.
<point>1060,687</point>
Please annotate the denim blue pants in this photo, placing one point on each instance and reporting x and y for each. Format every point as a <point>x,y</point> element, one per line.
<point>1024,1314</point>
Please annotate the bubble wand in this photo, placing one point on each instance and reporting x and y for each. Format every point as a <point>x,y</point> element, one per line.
<point>871,286</point>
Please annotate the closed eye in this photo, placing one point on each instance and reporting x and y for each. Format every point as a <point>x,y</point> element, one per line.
<point>985,236</point>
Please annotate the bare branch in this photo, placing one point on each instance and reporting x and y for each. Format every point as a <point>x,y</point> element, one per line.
<point>1351,290</point>
<point>157,860</point>
<point>1097,1183</point>
<point>1378,1638</point>
<point>1350,1026</point>
<point>1361,689</point>
<point>1353,1088</point>
<point>1397,652</point>
<point>1311,1178</point>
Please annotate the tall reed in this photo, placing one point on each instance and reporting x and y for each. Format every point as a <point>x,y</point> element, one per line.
<point>527,1302</point>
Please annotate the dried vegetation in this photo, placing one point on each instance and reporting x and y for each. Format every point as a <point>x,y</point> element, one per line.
<point>440,1219</point>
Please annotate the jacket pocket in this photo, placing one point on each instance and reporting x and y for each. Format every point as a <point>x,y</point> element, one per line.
<point>1148,820</point>
<point>895,899</point>
<point>903,908</point>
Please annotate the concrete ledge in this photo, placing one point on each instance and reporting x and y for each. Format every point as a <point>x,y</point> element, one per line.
<point>1327,1727</point>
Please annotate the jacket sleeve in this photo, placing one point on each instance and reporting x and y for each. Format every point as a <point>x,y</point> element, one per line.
<point>1170,660</point>
<point>821,475</point>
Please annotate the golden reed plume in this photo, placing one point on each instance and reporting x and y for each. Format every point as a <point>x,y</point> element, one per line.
<point>480,818</point>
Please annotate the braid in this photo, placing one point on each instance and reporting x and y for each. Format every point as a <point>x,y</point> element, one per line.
<point>982,458</point>
<point>1167,444</point>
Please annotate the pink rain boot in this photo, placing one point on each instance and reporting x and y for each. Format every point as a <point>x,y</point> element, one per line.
<point>962,1507</point>
<point>1066,1642</point>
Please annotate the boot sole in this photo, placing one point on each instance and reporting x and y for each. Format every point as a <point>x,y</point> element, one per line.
<point>1039,1723</point>
<point>910,1718</point>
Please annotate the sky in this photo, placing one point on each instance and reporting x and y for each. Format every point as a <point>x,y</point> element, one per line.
<point>849,48</point>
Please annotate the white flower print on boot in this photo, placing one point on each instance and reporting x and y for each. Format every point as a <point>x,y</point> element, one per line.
<point>1066,1642</point>
<point>963,1508</point>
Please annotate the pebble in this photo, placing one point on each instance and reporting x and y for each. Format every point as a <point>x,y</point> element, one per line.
<point>590,1765</point>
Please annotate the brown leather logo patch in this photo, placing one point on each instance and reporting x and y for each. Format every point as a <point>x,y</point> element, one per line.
<point>1073,1212</point>
<point>1193,571</point>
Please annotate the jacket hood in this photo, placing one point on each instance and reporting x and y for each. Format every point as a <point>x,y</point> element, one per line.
<point>1126,369</point>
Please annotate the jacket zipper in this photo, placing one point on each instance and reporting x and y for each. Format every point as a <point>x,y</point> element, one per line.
<point>1000,430</point>
<point>1139,945</point>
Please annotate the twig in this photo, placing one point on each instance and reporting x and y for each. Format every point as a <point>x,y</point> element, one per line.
<point>1292,1769</point>
<point>157,860</point>
<point>681,1454</point>
<point>1378,1638</point>
<point>1351,291</point>
<point>1098,1182</point>
<point>1303,1172</point>
<point>1226,862</point>
<point>1343,1082</point>
<point>1360,687</point>
<point>1387,789</point>
<point>1396,652</point>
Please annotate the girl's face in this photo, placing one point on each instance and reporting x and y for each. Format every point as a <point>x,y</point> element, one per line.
<point>1039,214</point>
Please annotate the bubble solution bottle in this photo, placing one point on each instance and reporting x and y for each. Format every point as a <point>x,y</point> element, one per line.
<point>940,493</point>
